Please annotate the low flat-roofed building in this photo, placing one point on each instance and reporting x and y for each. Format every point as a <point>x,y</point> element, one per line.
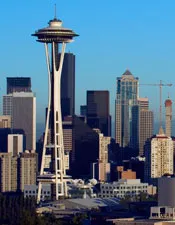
<point>131,221</point>
<point>5,121</point>
<point>122,188</point>
<point>32,191</point>
<point>162,212</point>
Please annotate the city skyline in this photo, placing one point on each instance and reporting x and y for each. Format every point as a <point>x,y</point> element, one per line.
<point>142,40</point>
<point>79,170</point>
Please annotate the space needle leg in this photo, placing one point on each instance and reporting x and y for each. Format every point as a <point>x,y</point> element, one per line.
<point>47,122</point>
<point>58,134</point>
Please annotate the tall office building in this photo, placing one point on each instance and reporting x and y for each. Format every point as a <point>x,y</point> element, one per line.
<point>85,148</point>
<point>67,139</point>
<point>7,106</point>
<point>21,106</point>
<point>17,171</point>
<point>8,172</point>
<point>102,172</point>
<point>126,98</point>
<point>68,85</point>
<point>67,133</point>
<point>98,115</point>
<point>159,156</point>
<point>134,128</point>
<point>18,84</point>
<point>145,128</point>
<point>27,169</point>
<point>145,123</point>
<point>168,119</point>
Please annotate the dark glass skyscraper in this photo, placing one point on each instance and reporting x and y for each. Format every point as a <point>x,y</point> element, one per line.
<point>98,111</point>
<point>18,84</point>
<point>68,85</point>
<point>85,148</point>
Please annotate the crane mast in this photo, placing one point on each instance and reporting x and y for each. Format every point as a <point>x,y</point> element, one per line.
<point>160,85</point>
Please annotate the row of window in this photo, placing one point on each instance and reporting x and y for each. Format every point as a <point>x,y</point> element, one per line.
<point>34,192</point>
<point>123,187</point>
<point>124,192</point>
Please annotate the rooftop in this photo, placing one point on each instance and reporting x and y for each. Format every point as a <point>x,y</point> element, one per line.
<point>88,203</point>
<point>127,72</point>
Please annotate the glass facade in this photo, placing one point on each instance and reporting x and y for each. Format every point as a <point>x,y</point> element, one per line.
<point>126,98</point>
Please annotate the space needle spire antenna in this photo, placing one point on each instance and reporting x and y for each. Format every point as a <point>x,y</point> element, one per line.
<point>55,10</point>
<point>57,36</point>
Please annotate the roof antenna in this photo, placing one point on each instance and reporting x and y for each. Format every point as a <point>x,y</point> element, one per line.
<point>55,11</point>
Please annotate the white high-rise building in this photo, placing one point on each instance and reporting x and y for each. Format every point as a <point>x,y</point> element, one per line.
<point>161,155</point>
<point>21,106</point>
<point>8,172</point>
<point>28,169</point>
<point>102,169</point>
<point>17,171</point>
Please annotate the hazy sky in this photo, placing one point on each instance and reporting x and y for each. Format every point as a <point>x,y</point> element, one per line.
<point>114,35</point>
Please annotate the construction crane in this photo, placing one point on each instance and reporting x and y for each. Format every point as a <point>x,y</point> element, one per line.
<point>160,85</point>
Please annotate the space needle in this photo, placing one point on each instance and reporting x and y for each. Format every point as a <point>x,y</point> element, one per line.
<point>57,36</point>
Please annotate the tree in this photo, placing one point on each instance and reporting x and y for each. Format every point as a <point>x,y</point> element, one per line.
<point>78,219</point>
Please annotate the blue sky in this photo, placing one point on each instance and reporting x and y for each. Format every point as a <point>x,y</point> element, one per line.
<point>114,35</point>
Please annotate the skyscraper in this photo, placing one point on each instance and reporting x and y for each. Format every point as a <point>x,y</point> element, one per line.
<point>134,128</point>
<point>67,133</point>
<point>18,84</point>
<point>168,119</point>
<point>8,172</point>
<point>67,139</point>
<point>68,85</point>
<point>17,171</point>
<point>98,115</point>
<point>126,98</point>
<point>85,148</point>
<point>103,165</point>
<point>145,128</point>
<point>145,123</point>
<point>21,106</point>
<point>27,163</point>
<point>159,156</point>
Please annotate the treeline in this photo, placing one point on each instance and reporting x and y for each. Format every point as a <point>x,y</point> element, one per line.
<point>17,210</point>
